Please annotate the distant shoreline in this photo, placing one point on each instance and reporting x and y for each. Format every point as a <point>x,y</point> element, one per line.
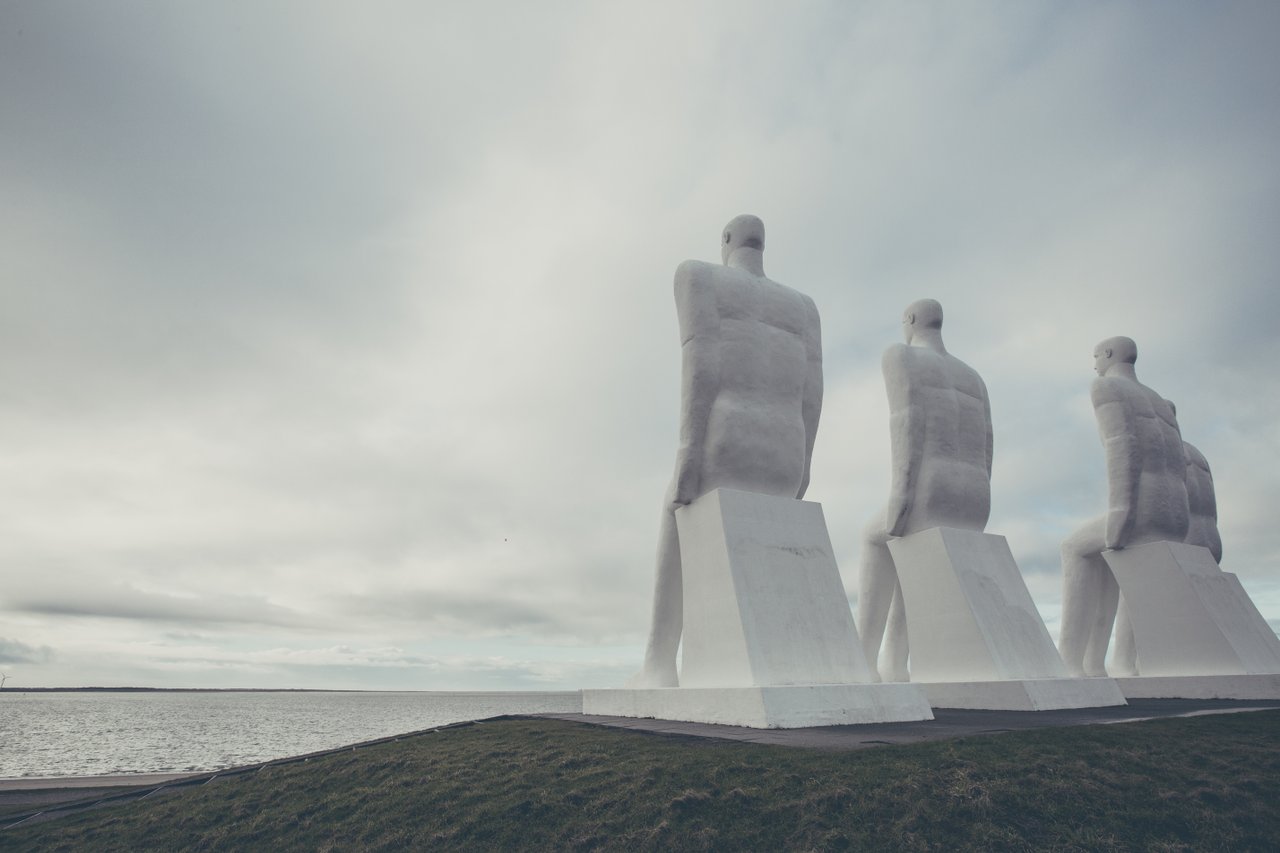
<point>182,690</point>
<point>261,690</point>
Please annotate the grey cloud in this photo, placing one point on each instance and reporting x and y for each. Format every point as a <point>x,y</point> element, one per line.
<point>13,651</point>
<point>120,601</point>
<point>323,307</point>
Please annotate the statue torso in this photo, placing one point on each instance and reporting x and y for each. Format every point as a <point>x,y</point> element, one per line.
<point>946,396</point>
<point>755,437</point>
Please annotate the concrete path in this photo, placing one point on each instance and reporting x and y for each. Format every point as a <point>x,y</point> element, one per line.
<point>946,723</point>
<point>40,783</point>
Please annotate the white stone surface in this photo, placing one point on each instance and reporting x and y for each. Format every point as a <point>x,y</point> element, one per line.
<point>977,638</point>
<point>769,641</point>
<point>1202,529</point>
<point>1147,502</point>
<point>778,707</point>
<point>764,604</point>
<point>751,395</point>
<point>969,611</point>
<point>1025,694</point>
<point>1201,687</point>
<point>1251,635</point>
<point>1188,617</point>
<point>941,438</point>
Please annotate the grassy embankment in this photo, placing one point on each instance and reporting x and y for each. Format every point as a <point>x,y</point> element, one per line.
<point>1202,783</point>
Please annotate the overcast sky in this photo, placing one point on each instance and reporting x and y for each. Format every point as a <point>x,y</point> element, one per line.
<point>338,346</point>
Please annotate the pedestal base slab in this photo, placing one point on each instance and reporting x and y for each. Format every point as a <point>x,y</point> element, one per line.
<point>1201,686</point>
<point>1027,694</point>
<point>790,706</point>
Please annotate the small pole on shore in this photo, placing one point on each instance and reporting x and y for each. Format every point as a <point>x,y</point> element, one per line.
<point>3,679</point>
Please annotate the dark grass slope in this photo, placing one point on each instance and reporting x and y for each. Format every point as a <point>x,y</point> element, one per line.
<point>1205,783</point>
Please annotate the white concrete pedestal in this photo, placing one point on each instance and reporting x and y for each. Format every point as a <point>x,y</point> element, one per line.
<point>769,640</point>
<point>791,706</point>
<point>1197,633</point>
<point>1253,686</point>
<point>976,637</point>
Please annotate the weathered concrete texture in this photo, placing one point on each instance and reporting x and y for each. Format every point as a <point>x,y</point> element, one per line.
<point>1147,502</point>
<point>1190,618</point>
<point>941,441</point>
<point>769,640</point>
<point>751,396</point>
<point>977,639</point>
<point>969,614</point>
<point>763,600</point>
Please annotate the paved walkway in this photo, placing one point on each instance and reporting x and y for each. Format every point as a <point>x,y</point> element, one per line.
<point>946,723</point>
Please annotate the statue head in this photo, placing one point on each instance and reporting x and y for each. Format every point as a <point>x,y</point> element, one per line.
<point>1113,351</point>
<point>743,232</point>
<point>920,315</point>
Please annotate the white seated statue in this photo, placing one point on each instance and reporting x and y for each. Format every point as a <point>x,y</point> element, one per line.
<point>751,394</point>
<point>1251,644</point>
<point>1146,477</point>
<point>940,431</point>
<point>1202,530</point>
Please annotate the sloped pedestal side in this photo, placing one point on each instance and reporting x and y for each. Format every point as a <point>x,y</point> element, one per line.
<point>977,640</point>
<point>768,640</point>
<point>1189,617</point>
<point>763,601</point>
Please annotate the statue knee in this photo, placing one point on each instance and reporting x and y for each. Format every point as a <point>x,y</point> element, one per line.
<point>876,533</point>
<point>1084,543</point>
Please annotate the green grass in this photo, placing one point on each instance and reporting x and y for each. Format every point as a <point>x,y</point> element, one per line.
<point>1204,783</point>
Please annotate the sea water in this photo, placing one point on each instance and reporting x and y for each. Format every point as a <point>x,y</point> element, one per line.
<point>100,733</point>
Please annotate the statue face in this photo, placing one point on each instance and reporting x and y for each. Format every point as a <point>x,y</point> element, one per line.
<point>908,326</point>
<point>1101,360</point>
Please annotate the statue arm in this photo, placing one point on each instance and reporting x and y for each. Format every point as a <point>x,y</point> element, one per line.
<point>986,413</point>
<point>1124,464</point>
<point>906,436</point>
<point>812,403</point>
<point>700,375</point>
<point>1210,499</point>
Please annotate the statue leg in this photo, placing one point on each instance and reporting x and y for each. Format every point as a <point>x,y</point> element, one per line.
<point>895,638</point>
<point>1095,656</point>
<point>1125,660</point>
<point>668,610</point>
<point>1082,590</point>
<point>877,580</point>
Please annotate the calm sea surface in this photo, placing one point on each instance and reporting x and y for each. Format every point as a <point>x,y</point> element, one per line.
<point>88,734</point>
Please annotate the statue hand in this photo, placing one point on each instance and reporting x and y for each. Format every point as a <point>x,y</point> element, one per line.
<point>896,515</point>
<point>1119,528</point>
<point>687,482</point>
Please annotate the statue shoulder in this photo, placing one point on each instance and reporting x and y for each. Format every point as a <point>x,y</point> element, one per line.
<point>899,364</point>
<point>695,273</point>
<point>695,283</point>
<point>964,374</point>
<point>814,320</point>
<point>896,357</point>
